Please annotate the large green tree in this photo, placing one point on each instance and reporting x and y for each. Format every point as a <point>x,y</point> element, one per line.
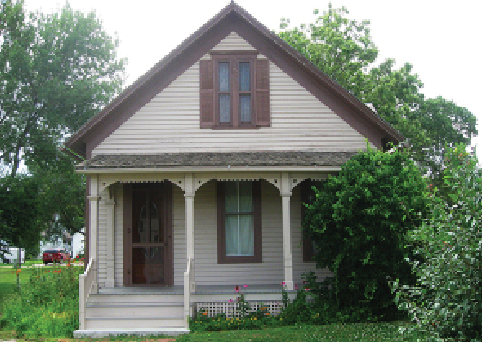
<point>344,50</point>
<point>447,299</point>
<point>361,218</point>
<point>56,71</point>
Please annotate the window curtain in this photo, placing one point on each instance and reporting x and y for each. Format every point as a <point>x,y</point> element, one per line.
<point>239,222</point>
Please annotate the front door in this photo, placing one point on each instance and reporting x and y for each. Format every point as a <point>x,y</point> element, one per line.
<point>149,261</point>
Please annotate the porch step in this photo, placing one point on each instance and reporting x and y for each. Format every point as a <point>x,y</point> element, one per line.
<point>121,311</point>
<point>127,309</point>
<point>131,332</point>
<point>136,298</point>
<point>134,322</point>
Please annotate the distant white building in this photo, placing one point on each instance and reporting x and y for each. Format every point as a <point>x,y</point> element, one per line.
<point>12,255</point>
<point>71,244</point>
<point>78,243</point>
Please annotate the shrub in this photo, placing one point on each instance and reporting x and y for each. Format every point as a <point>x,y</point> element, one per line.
<point>47,306</point>
<point>447,301</point>
<point>361,218</point>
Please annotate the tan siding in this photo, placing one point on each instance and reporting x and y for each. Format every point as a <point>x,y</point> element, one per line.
<point>118,234</point>
<point>233,42</point>
<point>270,271</point>
<point>169,123</point>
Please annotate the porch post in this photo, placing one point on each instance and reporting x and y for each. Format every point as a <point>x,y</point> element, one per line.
<point>189,193</point>
<point>110,205</point>
<point>287,250</point>
<point>94,219</point>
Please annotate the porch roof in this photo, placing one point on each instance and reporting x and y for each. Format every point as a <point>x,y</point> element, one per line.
<point>275,159</point>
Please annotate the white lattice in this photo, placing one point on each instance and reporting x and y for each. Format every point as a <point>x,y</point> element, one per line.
<point>230,309</point>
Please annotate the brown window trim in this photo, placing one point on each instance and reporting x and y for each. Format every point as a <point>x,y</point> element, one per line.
<point>234,59</point>
<point>221,244</point>
<point>305,192</point>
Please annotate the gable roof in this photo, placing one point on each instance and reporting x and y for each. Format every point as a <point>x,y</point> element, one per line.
<point>231,18</point>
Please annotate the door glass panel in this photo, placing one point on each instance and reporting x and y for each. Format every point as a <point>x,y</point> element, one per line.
<point>139,235</point>
<point>155,226</point>
<point>139,261</point>
<point>148,265</point>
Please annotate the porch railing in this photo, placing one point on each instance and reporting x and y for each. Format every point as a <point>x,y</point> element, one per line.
<point>189,287</point>
<point>87,286</point>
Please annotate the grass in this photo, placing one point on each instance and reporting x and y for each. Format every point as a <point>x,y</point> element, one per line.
<point>361,332</point>
<point>8,276</point>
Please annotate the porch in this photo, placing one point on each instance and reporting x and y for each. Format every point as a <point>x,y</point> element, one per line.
<point>166,310</point>
<point>189,275</point>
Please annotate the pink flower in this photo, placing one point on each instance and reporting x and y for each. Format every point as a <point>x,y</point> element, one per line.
<point>296,286</point>
<point>283,283</point>
<point>230,301</point>
<point>245,285</point>
<point>307,289</point>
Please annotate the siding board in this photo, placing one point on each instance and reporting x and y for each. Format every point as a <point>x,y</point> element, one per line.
<point>169,123</point>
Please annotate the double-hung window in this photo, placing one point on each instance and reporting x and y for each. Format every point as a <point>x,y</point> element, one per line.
<point>234,91</point>
<point>233,95</point>
<point>239,222</point>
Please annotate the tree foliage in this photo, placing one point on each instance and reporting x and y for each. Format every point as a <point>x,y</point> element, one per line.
<point>361,218</point>
<point>344,50</point>
<point>56,71</point>
<point>19,216</point>
<point>447,300</point>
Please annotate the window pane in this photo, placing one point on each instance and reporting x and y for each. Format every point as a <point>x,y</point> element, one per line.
<point>245,197</point>
<point>231,223</point>
<point>246,235</point>
<point>231,196</point>
<point>225,107</point>
<point>244,77</point>
<point>223,76</point>
<point>245,107</point>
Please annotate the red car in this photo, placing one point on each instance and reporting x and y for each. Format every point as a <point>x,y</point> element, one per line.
<point>54,256</point>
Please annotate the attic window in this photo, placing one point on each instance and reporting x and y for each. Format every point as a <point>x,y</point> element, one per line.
<point>234,91</point>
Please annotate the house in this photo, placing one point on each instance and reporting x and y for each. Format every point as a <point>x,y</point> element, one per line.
<point>11,255</point>
<point>196,175</point>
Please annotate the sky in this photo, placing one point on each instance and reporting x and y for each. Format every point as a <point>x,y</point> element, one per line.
<point>441,39</point>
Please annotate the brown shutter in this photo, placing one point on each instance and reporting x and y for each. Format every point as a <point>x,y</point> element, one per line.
<point>207,93</point>
<point>262,93</point>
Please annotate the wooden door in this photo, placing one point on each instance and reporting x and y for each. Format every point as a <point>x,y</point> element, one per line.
<point>148,253</point>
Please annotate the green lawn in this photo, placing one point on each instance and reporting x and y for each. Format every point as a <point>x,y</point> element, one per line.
<point>8,276</point>
<point>336,332</point>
